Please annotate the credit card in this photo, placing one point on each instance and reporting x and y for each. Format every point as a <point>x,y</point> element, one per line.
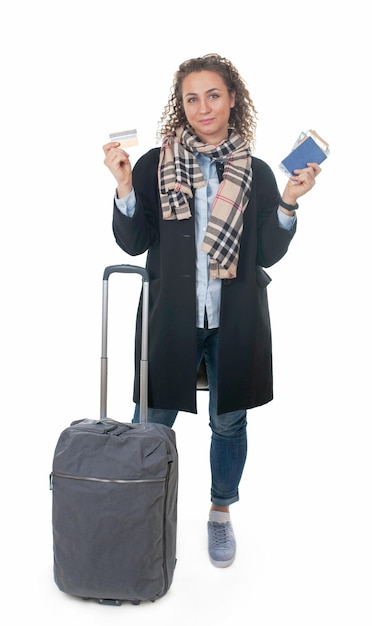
<point>127,138</point>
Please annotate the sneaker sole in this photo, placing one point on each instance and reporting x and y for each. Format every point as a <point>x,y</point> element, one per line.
<point>222,563</point>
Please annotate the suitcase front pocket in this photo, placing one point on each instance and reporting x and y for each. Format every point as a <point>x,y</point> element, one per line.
<point>109,537</point>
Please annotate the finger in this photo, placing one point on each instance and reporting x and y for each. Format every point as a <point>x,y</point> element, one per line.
<point>305,181</point>
<point>315,167</point>
<point>308,174</point>
<point>307,178</point>
<point>116,157</point>
<point>108,146</point>
<point>312,168</point>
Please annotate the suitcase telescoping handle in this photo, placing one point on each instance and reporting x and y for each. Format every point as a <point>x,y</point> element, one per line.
<point>126,269</point>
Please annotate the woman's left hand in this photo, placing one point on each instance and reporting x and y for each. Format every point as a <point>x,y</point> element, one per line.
<point>301,183</point>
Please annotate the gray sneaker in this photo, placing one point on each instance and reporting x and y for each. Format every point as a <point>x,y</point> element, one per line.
<point>221,543</point>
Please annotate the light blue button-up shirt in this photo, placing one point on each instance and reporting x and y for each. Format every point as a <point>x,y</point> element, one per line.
<point>208,292</point>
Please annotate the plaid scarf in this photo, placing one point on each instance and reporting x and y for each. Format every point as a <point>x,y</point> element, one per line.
<point>179,173</point>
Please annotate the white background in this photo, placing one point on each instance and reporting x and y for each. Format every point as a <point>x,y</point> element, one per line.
<point>75,71</point>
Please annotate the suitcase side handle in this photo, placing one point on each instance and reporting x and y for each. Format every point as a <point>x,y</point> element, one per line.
<point>126,269</point>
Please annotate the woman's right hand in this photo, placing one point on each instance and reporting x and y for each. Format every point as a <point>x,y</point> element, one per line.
<point>117,160</point>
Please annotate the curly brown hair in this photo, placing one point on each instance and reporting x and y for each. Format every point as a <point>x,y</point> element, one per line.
<point>243,115</point>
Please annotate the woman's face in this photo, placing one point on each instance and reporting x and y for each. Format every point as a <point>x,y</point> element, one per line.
<point>207,103</point>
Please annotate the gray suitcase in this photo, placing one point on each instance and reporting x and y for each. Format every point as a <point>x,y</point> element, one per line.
<point>114,491</point>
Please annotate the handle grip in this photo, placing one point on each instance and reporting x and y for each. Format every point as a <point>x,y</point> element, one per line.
<point>126,269</point>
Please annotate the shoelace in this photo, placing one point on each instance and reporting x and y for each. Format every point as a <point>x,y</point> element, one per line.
<point>220,538</point>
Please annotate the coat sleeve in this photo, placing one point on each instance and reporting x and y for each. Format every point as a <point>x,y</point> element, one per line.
<point>272,240</point>
<point>137,234</point>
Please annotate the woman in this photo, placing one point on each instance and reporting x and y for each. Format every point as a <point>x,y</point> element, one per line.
<point>210,216</point>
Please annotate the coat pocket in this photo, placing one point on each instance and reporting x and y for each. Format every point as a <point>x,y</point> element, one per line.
<point>262,277</point>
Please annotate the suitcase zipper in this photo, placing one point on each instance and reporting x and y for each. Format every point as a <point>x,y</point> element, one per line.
<point>104,480</point>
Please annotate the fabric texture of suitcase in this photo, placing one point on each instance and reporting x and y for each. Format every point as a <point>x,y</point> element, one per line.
<point>114,511</point>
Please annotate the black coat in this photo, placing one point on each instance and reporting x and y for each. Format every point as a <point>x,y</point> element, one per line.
<point>245,360</point>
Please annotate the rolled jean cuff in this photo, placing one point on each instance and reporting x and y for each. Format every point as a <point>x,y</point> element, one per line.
<point>224,501</point>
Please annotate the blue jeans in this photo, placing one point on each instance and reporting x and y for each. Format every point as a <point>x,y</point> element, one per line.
<point>228,451</point>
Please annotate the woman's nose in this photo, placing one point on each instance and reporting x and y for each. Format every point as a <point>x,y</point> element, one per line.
<point>204,105</point>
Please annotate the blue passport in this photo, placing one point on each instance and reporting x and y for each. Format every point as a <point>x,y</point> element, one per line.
<point>306,151</point>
